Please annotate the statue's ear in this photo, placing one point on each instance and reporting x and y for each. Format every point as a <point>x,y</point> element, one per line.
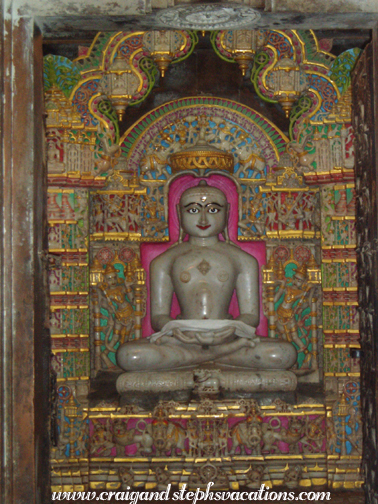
<point>181,231</point>
<point>225,232</point>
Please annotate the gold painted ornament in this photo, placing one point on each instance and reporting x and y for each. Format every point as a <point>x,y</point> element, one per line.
<point>162,45</point>
<point>242,44</point>
<point>288,81</point>
<point>120,84</point>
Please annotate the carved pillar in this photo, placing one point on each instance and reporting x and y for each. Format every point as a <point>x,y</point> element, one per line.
<point>365,113</point>
<point>24,350</point>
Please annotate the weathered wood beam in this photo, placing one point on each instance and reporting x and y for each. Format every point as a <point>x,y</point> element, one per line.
<point>24,349</point>
<point>65,27</point>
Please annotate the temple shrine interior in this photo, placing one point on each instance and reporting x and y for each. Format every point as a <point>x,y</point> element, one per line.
<point>270,118</point>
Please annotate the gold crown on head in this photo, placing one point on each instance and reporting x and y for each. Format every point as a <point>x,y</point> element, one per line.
<point>201,155</point>
<point>110,269</point>
<point>301,271</point>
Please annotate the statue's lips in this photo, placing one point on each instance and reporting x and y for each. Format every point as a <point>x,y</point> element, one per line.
<point>204,227</point>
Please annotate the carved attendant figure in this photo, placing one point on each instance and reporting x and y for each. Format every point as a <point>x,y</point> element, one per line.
<point>203,272</point>
<point>113,296</point>
<point>299,291</point>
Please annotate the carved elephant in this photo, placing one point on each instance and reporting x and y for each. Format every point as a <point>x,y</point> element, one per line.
<point>247,435</point>
<point>152,163</point>
<point>167,436</point>
<point>123,437</point>
<point>291,436</point>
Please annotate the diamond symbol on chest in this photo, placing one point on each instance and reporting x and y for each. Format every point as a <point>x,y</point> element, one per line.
<point>204,267</point>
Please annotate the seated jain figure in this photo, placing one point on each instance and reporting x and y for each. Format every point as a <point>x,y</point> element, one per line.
<point>203,272</point>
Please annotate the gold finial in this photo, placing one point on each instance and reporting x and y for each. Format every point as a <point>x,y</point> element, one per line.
<point>280,271</point>
<point>312,263</point>
<point>270,263</point>
<point>129,272</point>
<point>96,265</point>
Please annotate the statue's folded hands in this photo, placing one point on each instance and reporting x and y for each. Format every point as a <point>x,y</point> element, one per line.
<point>205,332</point>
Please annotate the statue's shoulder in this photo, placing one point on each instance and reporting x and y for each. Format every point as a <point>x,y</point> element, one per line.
<point>243,258</point>
<point>168,256</point>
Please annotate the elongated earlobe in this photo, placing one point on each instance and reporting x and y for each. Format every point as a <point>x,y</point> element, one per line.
<point>225,234</point>
<point>181,231</point>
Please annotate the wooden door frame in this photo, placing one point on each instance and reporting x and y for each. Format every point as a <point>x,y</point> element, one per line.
<point>24,353</point>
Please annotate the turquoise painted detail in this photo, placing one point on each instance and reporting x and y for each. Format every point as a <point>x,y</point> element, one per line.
<point>341,69</point>
<point>61,72</point>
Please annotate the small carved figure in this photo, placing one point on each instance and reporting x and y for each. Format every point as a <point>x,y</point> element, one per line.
<point>222,437</point>
<point>101,442</point>
<point>126,476</point>
<point>54,165</point>
<point>167,435</point>
<point>297,149</point>
<point>292,476</point>
<point>207,381</point>
<point>109,154</point>
<point>122,436</point>
<point>115,297</point>
<point>144,440</point>
<point>314,437</point>
<point>294,302</point>
<point>290,211</point>
<point>273,434</point>
<point>206,473</point>
<point>253,476</point>
<point>152,163</point>
<point>207,439</point>
<point>332,437</point>
<point>248,434</point>
<point>63,442</point>
<point>293,433</point>
<point>163,477</point>
<point>193,435</point>
<point>255,217</point>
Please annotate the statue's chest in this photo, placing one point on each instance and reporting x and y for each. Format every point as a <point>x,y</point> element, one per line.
<point>211,267</point>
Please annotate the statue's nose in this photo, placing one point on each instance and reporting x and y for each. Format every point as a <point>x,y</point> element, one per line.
<point>203,217</point>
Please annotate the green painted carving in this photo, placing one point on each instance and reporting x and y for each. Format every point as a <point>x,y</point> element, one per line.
<point>261,59</point>
<point>105,108</point>
<point>147,65</point>
<point>342,67</point>
<point>312,52</point>
<point>303,105</point>
<point>95,53</point>
<point>218,48</point>
<point>194,41</point>
<point>61,72</point>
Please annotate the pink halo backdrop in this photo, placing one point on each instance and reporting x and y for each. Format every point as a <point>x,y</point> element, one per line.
<point>151,250</point>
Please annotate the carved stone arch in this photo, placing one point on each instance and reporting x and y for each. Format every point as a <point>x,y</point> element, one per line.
<point>134,142</point>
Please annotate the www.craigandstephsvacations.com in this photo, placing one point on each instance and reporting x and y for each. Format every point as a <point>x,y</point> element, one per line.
<point>192,496</point>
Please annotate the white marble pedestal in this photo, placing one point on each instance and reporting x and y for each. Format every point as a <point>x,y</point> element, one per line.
<point>207,380</point>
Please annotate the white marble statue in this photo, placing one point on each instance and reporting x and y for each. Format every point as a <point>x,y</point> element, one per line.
<point>203,272</point>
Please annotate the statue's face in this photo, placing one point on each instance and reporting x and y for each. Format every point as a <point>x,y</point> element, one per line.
<point>111,279</point>
<point>203,212</point>
<point>298,281</point>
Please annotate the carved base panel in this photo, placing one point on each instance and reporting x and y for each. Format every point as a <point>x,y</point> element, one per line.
<point>206,381</point>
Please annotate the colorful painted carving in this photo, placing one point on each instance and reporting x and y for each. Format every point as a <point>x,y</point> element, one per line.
<point>110,198</point>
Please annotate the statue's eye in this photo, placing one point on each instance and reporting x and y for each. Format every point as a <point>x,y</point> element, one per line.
<point>213,210</point>
<point>193,210</point>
